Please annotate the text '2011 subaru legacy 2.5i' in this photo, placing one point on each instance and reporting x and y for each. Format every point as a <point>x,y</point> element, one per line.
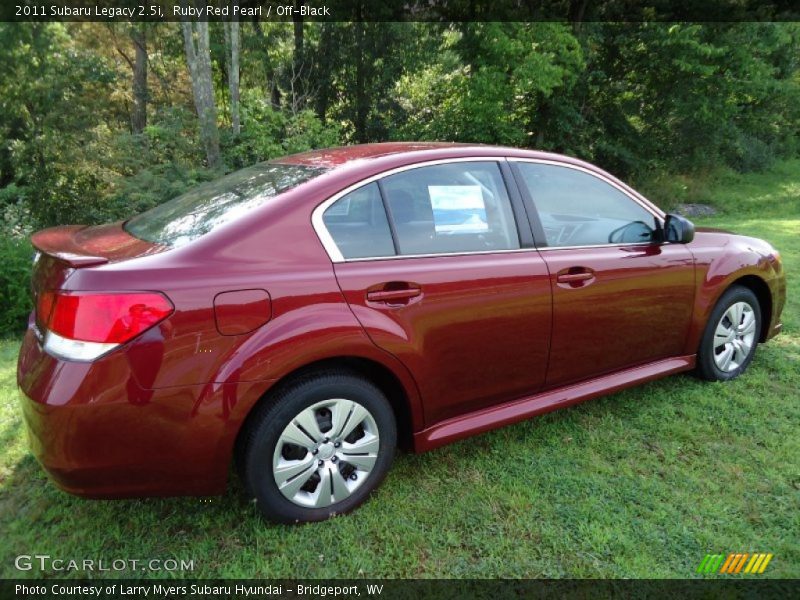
<point>309,314</point>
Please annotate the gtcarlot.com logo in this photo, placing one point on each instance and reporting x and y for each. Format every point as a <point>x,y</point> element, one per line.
<point>45,562</point>
<point>735,562</point>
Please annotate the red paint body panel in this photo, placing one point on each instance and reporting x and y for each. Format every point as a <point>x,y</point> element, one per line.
<point>469,305</point>
<point>636,309</point>
<point>491,339</point>
<point>720,260</point>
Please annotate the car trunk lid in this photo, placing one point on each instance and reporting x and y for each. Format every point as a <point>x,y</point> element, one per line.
<point>62,250</point>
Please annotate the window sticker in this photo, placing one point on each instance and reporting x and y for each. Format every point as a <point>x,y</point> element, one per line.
<point>458,209</point>
<point>341,208</point>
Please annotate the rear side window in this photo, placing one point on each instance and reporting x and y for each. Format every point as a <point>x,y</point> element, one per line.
<point>210,205</point>
<point>451,208</point>
<point>358,225</point>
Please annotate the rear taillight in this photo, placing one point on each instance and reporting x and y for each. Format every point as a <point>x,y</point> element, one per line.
<point>83,325</point>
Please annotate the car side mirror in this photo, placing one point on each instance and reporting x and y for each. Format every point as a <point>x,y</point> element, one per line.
<point>678,229</point>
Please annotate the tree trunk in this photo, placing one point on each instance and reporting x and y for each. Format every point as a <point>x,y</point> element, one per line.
<point>198,58</point>
<point>328,52</point>
<point>577,10</point>
<point>299,68</point>
<point>232,65</point>
<point>362,102</point>
<point>299,73</point>
<point>140,92</point>
<point>269,73</point>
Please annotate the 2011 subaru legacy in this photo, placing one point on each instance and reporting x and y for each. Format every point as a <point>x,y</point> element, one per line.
<point>308,315</point>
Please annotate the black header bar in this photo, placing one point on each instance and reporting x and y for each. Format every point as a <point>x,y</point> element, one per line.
<point>401,10</point>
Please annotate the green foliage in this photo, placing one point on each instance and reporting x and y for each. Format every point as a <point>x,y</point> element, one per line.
<point>305,131</point>
<point>260,137</point>
<point>15,218</point>
<point>488,83</point>
<point>48,118</point>
<point>268,133</point>
<point>142,171</point>
<point>687,97</point>
<point>15,293</point>
<point>638,98</point>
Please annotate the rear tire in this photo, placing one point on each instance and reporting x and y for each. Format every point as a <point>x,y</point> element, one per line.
<point>319,447</point>
<point>731,335</point>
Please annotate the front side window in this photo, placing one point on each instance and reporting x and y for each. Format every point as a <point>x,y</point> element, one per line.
<point>358,225</point>
<point>579,209</point>
<point>450,208</point>
<point>210,205</point>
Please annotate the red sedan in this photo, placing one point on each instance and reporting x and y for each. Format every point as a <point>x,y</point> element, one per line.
<point>309,314</point>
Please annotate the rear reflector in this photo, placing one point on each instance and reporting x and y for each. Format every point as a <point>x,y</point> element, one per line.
<point>61,347</point>
<point>105,320</point>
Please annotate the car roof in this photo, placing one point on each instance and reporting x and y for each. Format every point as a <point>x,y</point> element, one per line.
<point>332,158</point>
<point>341,155</point>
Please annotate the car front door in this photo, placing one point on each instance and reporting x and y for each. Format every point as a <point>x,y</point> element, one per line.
<point>620,298</point>
<point>433,265</point>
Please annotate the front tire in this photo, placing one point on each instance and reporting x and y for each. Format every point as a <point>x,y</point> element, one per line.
<point>731,335</point>
<point>319,448</point>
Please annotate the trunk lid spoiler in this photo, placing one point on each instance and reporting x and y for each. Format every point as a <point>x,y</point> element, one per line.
<point>82,246</point>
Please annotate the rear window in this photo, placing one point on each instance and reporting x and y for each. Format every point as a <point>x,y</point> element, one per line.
<point>209,205</point>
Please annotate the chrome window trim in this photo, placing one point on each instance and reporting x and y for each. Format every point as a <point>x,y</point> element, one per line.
<point>643,202</point>
<point>336,256</point>
<point>438,254</point>
<point>589,246</point>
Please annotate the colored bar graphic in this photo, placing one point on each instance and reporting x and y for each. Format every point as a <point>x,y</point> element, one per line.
<point>710,563</point>
<point>727,565</point>
<point>752,563</point>
<point>740,564</point>
<point>703,563</point>
<point>715,565</point>
<point>734,563</point>
<point>765,563</point>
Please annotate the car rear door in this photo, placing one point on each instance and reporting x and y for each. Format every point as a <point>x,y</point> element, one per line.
<point>434,266</point>
<point>620,298</point>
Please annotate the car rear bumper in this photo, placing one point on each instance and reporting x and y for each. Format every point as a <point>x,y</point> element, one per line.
<point>84,460</point>
<point>98,433</point>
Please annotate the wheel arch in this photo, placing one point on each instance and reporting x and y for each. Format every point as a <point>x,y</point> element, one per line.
<point>373,371</point>
<point>760,288</point>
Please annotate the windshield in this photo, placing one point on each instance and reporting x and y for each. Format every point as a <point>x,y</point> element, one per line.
<point>207,206</point>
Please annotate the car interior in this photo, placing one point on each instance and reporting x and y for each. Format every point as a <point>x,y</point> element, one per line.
<point>578,209</point>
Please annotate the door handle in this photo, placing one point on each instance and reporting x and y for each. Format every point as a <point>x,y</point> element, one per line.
<point>574,277</point>
<point>394,297</point>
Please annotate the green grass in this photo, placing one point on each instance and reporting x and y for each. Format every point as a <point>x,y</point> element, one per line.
<point>643,483</point>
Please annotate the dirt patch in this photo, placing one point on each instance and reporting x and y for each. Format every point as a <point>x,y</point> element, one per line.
<point>695,210</point>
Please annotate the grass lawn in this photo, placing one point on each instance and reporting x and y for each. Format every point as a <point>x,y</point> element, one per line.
<point>643,483</point>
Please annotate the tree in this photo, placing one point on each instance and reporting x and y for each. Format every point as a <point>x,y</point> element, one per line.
<point>198,59</point>
<point>232,64</point>
<point>299,67</point>
<point>490,83</point>
<point>138,65</point>
<point>140,93</point>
